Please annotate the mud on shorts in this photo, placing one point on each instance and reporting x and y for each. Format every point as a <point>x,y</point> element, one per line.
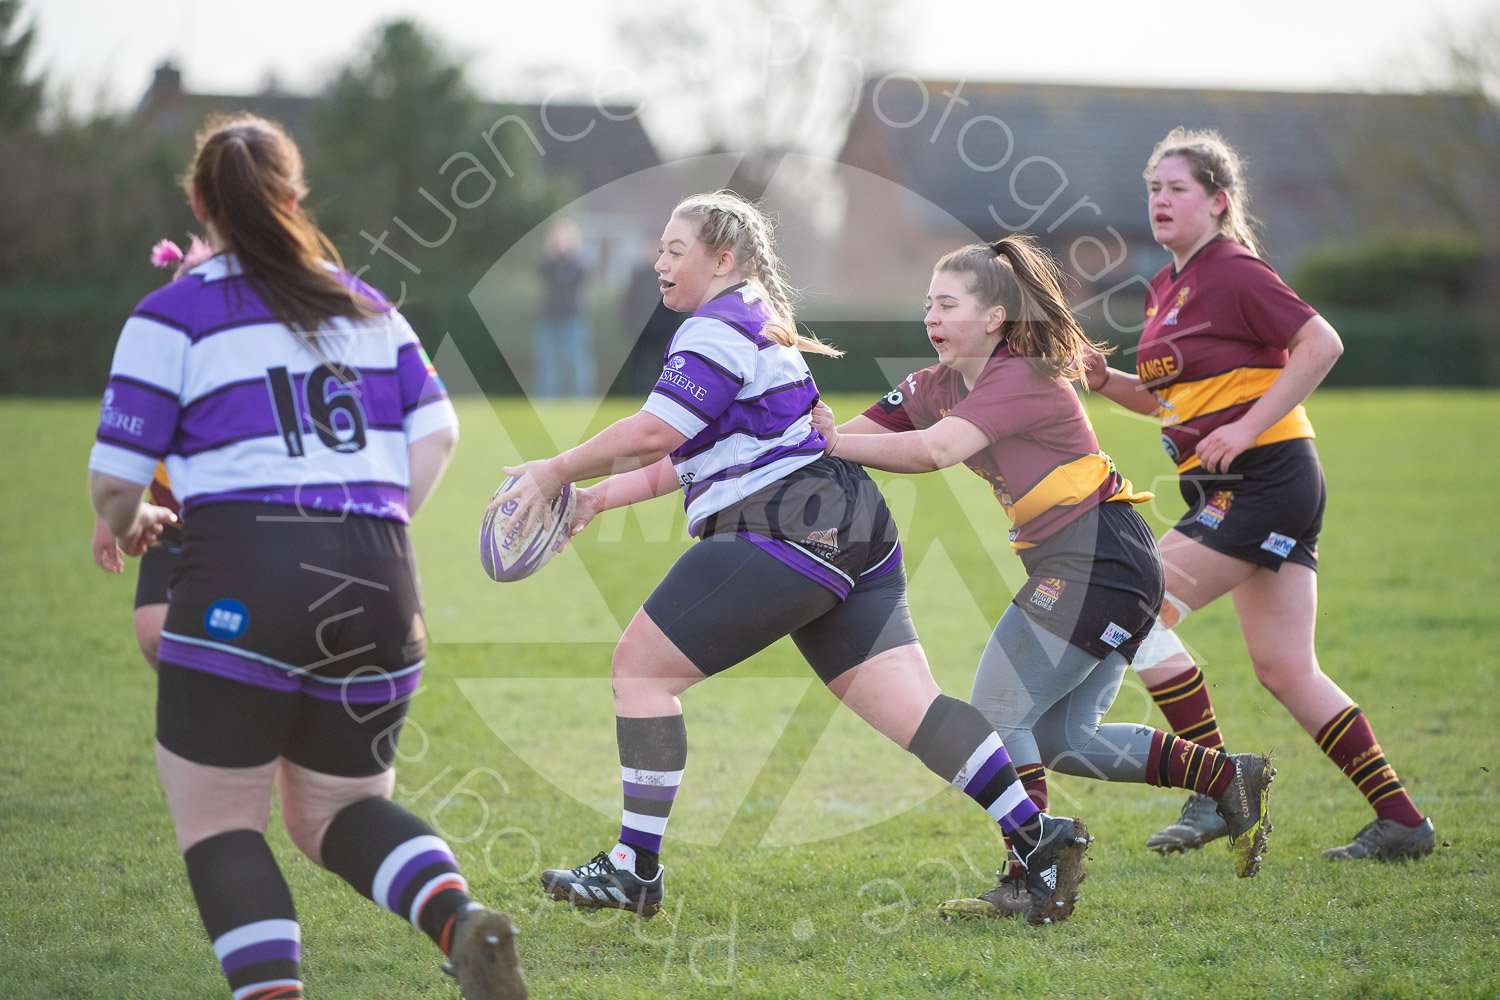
<point>1267,509</point>
<point>289,636</point>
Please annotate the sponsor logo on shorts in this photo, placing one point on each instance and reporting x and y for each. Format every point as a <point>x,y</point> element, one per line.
<point>823,542</point>
<point>678,361</point>
<point>1047,592</point>
<point>1281,545</point>
<point>1213,512</point>
<point>1114,635</point>
<point>226,620</point>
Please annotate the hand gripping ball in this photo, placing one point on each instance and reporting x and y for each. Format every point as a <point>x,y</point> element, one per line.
<point>506,554</point>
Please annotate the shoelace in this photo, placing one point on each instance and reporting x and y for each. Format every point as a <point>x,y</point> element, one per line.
<point>600,865</point>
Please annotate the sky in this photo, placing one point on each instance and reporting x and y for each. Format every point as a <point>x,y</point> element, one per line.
<point>105,56</point>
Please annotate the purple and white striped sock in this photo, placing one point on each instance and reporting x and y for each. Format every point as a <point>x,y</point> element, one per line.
<point>653,754</point>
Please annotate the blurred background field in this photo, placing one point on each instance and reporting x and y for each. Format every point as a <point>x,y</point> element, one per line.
<point>805,855</point>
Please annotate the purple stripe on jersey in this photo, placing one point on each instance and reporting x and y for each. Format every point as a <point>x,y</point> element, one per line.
<point>702,387</point>
<point>418,384</point>
<point>714,366</point>
<point>767,417</point>
<point>660,390</point>
<point>410,871</point>
<point>986,771</point>
<point>812,444</point>
<point>281,949</point>
<point>137,416</point>
<point>242,410</point>
<point>683,455</point>
<point>366,691</point>
<point>377,301</point>
<point>730,308</point>
<point>231,413</point>
<point>799,561</point>
<point>222,663</point>
<point>387,500</point>
<point>657,793</point>
<point>805,384</point>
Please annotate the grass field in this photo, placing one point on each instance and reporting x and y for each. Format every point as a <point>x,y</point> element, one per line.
<point>804,855</point>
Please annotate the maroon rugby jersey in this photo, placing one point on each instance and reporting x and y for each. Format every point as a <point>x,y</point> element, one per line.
<point>1215,339</point>
<point>1043,461</point>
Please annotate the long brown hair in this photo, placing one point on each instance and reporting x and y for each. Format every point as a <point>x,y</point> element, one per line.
<point>247,173</point>
<point>1217,167</point>
<point>1015,273</point>
<point>727,221</point>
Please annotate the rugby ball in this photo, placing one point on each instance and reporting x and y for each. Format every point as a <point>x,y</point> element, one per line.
<point>506,554</point>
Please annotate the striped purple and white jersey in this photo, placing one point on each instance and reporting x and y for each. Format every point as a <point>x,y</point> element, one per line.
<point>743,400</point>
<point>206,380</point>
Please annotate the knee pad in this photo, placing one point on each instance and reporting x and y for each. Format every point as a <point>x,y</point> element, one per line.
<point>1161,643</point>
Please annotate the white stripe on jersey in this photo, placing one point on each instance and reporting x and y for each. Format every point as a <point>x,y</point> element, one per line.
<point>761,370</point>
<point>263,461</point>
<point>150,352</point>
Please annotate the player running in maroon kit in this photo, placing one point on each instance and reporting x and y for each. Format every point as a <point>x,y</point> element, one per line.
<point>1227,357</point>
<point>999,401</point>
<point>790,542</point>
<point>302,426</point>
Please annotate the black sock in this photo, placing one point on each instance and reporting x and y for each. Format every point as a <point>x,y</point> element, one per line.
<point>394,858</point>
<point>247,910</point>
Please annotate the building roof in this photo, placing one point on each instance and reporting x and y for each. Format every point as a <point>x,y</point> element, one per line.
<point>1039,156</point>
<point>595,144</point>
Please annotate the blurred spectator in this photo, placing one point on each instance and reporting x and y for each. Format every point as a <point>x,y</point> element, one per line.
<point>564,358</point>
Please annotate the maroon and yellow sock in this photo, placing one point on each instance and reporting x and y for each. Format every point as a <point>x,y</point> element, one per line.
<point>1350,743</point>
<point>1178,763</point>
<point>1034,780</point>
<point>1185,703</point>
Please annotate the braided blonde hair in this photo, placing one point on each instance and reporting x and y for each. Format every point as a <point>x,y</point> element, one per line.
<point>727,221</point>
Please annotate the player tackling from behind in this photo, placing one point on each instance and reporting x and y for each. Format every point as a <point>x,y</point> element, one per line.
<point>999,400</point>
<point>1227,357</point>
<point>790,542</point>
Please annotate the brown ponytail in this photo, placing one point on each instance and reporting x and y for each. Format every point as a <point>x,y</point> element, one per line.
<point>1016,274</point>
<point>247,174</point>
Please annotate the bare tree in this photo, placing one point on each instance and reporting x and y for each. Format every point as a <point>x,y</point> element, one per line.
<point>762,77</point>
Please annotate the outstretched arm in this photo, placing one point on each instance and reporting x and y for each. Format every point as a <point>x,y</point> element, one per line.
<point>945,443</point>
<point>624,489</point>
<point>634,444</point>
<point>1119,386</point>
